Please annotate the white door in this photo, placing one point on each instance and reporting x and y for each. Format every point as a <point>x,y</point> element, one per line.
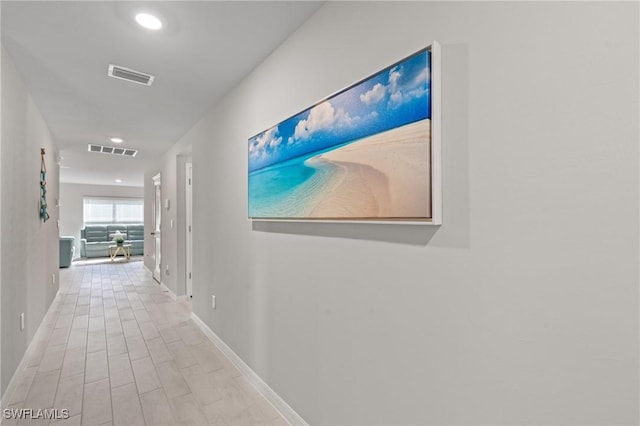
<point>157,220</point>
<point>189,240</point>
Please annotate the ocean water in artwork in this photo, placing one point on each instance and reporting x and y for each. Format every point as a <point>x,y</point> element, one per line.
<point>288,189</point>
<point>349,155</point>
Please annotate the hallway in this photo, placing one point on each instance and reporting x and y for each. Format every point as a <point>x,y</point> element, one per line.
<point>115,349</point>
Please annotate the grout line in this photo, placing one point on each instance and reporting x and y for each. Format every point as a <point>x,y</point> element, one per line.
<point>84,373</point>
<point>93,281</point>
<point>57,299</point>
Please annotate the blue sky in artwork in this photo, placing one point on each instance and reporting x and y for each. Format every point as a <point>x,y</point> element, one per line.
<point>394,97</point>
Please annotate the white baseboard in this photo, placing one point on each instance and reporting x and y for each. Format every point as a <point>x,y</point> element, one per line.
<point>13,383</point>
<point>252,377</point>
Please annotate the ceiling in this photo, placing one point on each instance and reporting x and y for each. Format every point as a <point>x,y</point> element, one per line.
<point>63,49</point>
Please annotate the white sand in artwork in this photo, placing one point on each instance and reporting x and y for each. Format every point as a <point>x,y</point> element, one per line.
<point>386,175</point>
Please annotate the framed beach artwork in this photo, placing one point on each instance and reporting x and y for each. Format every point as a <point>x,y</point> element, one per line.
<point>370,152</point>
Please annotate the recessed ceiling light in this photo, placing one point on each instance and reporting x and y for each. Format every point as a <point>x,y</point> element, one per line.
<point>118,180</point>
<point>117,140</point>
<point>148,21</point>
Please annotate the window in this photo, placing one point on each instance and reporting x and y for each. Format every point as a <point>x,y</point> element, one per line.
<point>99,211</point>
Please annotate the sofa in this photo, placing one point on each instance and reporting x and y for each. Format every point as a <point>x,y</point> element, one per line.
<point>96,239</point>
<point>66,251</point>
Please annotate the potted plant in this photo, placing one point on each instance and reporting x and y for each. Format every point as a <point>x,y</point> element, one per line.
<point>118,238</point>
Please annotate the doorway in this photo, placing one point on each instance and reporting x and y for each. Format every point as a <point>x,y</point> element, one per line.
<point>156,233</point>
<point>189,234</point>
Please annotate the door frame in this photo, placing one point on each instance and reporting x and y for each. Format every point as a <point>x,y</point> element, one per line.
<point>157,223</point>
<point>189,229</point>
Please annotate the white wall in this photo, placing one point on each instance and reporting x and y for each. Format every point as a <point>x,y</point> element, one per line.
<point>522,308</point>
<point>30,250</point>
<point>71,204</point>
<point>181,234</point>
<point>2,387</point>
<point>171,169</point>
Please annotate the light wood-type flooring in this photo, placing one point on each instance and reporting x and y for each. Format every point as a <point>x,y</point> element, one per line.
<point>116,349</point>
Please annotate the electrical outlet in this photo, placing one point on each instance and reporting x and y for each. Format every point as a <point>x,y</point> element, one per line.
<point>166,270</point>
<point>22,321</point>
<point>213,301</point>
<point>53,278</point>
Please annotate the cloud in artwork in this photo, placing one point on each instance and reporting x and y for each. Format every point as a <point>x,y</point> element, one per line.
<point>376,94</point>
<point>405,85</point>
<point>423,77</point>
<point>264,143</point>
<point>395,98</point>
<point>394,77</point>
<point>321,117</point>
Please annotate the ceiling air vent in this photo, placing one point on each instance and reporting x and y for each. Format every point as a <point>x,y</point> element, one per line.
<point>126,152</point>
<point>128,74</point>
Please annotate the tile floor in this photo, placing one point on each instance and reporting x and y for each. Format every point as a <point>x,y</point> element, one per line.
<point>117,350</point>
